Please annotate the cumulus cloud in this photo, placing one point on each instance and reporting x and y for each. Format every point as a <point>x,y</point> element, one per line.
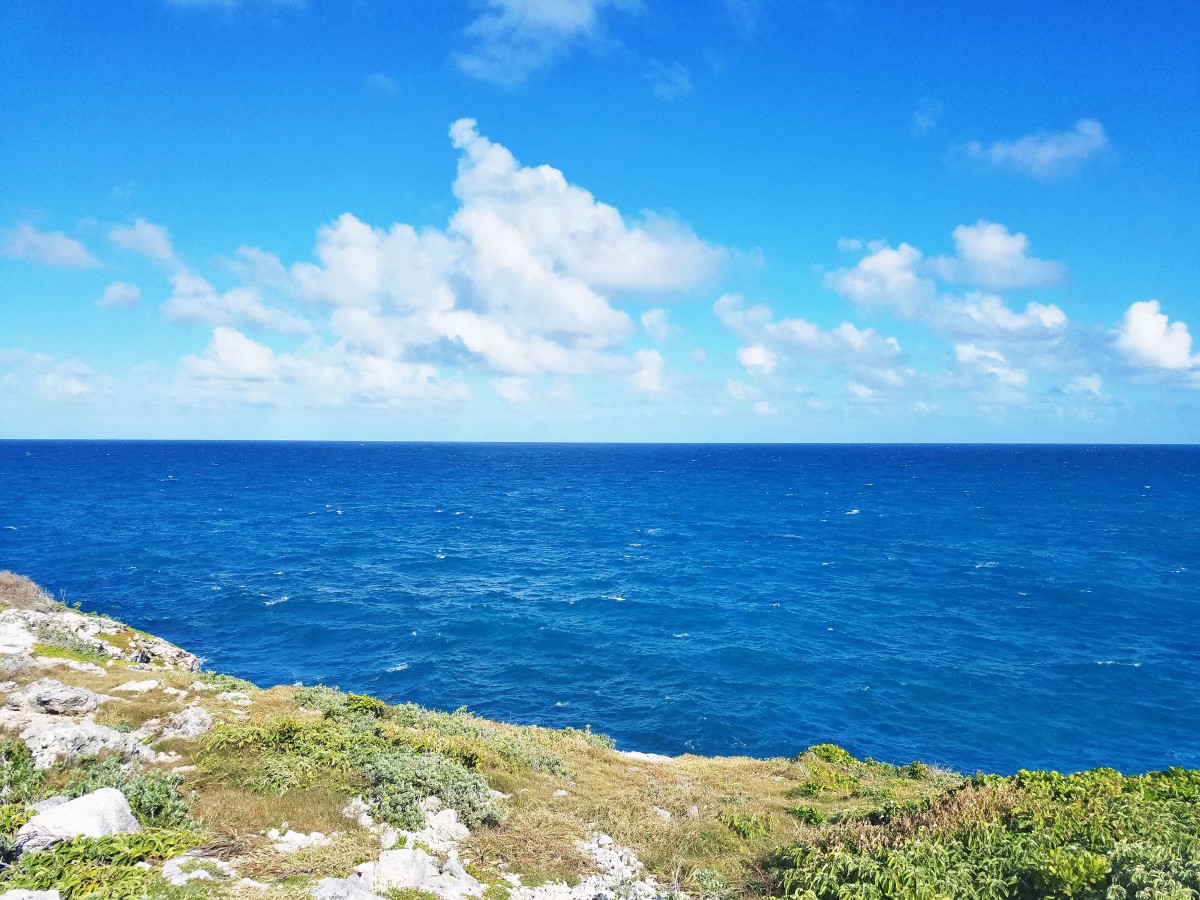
<point>1045,154</point>
<point>990,256</point>
<point>1149,339</point>
<point>231,355</point>
<point>50,248</point>
<point>146,239</point>
<point>520,283</point>
<point>647,378</point>
<point>995,379</point>
<point>52,380</point>
<point>903,281</point>
<point>657,323</point>
<point>516,38</point>
<point>865,352</point>
<point>195,300</point>
<point>120,294</point>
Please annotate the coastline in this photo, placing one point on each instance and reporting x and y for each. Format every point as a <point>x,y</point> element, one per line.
<point>231,790</point>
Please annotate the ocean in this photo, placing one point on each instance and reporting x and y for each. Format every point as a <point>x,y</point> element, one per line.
<point>979,607</point>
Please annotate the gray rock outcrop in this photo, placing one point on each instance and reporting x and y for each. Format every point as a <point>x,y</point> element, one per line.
<point>97,814</point>
<point>52,740</point>
<point>188,723</point>
<point>55,698</point>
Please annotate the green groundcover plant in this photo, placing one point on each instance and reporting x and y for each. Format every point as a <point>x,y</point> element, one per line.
<point>1096,834</point>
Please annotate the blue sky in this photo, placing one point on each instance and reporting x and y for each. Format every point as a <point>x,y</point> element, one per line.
<point>725,220</point>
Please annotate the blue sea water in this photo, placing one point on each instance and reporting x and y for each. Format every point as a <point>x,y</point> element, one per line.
<point>981,607</point>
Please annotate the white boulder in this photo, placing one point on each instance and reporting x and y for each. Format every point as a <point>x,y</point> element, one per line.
<point>23,894</point>
<point>97,814</point>
<point>188,723</point>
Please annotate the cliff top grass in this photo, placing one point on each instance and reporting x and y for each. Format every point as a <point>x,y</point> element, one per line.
<point>819,825</point>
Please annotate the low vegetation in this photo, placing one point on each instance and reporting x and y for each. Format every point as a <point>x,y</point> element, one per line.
<point>820,826</point>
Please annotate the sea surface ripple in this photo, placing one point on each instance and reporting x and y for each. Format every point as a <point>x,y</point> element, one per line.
<point>981,607</point>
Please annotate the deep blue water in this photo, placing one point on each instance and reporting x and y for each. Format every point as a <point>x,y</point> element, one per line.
<point>983,607</point>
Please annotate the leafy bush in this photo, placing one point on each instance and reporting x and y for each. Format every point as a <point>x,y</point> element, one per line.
<point>101,868</point>
<point>1096,834</point>
<point>153,796</point>
<point>807,815</point>
<point>362,703</point>
<point>400,780</point>
<point>286,755</point>
<point>458,735</point>
<point>831,753</point>
<point>743,825</point>
<point>19,780</point>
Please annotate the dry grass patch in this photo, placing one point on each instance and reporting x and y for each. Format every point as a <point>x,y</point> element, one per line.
<point>263,862</point>
<point>222,806</point>
<point>18,592</point>
<point>536,839</point>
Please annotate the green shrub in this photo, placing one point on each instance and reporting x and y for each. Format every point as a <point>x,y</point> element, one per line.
<point>399,780</point>
<point>831,753</point>
<point>915,770</point>
<point>19,780</point>
<point>808,815</point>
<point>371,706</point>
<point>153,795</point>
<point>743,825</point>
<point>101,868</point>
<point>1096,834</point>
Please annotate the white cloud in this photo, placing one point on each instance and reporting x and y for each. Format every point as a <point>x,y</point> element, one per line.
<point>194,300</point>
<point>670,82</point>
<point>516,38</point>
<point>520,281</point>
<point>647,377</point>
<point>233,356</point>
<point>120,294</point>
<point>657,323</point>
<point>1084,385</point>
<point>994,377</point>
<point>55,381</point>
<point>1046,154</point>
<point>1148,338</point>
<point>146,239</point>
<point>512,390</point>
<point>992,257</point>
<point>889,278</point>
<point>863,351</point>
<point>51,248</point>
<point>903,281</point>
<point>757,360</point>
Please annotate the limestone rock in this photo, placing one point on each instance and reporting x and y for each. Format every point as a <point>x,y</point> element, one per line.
<point>15,638</point>
<point>49,696</point>
<point>297,840</point>
<point>23,894</point>
<point>97,814</point>
<point>351,888</point>
<point>137,687</point>
<point>188,723</point>
<point>193,867</point>
<point>398,869</point>
<point>51,739</point>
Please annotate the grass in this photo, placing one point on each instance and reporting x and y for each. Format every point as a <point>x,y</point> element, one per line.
<point>819,826</point>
